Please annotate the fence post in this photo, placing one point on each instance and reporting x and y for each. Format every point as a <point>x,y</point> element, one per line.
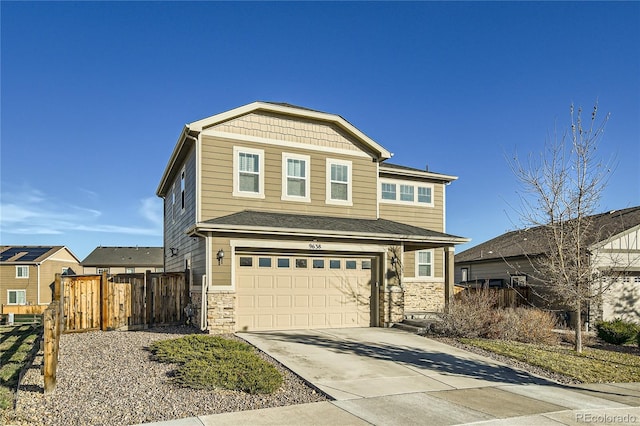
<point>149,298</point>
<point>51,346</point>
<point>104,302</point>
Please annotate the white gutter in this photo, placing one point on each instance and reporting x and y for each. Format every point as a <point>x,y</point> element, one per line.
<point>314,233</point>
<point>204,287</point>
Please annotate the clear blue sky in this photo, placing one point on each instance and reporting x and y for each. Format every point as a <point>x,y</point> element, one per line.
<point>94,96</point>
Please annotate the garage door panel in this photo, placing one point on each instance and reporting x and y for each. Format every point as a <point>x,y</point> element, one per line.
<point>283,302</point>
<point>301,301</point>
<point>298,298</point>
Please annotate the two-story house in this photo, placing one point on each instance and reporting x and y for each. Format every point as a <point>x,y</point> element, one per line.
<point>290,218</point>
<point>27,273</point>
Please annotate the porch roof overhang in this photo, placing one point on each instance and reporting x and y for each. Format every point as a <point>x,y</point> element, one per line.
<point>309,226</point>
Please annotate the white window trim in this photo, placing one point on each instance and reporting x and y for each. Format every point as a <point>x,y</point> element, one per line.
<point>17,291</point>
<point>23,267</point>
<point>307,190</point>
<point>415,185</point>
<point>349,200</point>
<point>417,262</point>
<point>236,176</point>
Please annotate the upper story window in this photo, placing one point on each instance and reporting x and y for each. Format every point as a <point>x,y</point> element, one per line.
<point>406,192</point>
<point>248,172</point>
<point>388,191</point>
<point>339,183</point>
<point>295,177</point>
<point>424,263</point>
<point>22,272</point>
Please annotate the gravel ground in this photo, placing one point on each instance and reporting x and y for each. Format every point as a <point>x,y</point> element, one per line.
<point>108,378</point>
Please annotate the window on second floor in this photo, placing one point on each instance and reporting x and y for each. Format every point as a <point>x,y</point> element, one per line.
<point>424,263</point>
<point>295,177</point>
<point>406,192</point>
<point>248,172</point>
<point>339,182</point>
<point>22,272</point>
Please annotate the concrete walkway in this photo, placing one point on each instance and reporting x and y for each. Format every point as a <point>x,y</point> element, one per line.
<point>390,377</point>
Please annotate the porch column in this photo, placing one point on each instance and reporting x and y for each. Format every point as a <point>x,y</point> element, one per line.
<point>448,276</point>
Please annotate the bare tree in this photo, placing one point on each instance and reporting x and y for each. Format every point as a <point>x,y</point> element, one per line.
<point>560,192</point>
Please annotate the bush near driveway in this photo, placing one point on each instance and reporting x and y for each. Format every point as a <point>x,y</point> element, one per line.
<point>618,331</point>
<point>476,315</point>
<point>210,362</point>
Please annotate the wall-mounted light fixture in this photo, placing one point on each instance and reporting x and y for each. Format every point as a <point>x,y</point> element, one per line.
<point>174,251</point>
<point>220,256</point>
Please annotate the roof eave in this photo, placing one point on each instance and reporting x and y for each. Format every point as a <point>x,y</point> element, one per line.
<point>412,173</point>
<point>185,135</point>
<point>204,227</point>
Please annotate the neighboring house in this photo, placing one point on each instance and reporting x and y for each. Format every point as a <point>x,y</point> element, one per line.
<point>27,273</point>
<point>614,250</point>
<point>291,218</point>
<point>124,260</point>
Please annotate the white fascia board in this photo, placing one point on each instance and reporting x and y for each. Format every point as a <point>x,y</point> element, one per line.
<point>200,125</point>
<point>311,233</point>
<point>420,174</point>
<point>602,243</point>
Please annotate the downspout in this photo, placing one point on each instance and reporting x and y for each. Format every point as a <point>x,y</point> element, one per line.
<point>38,269</point>
<point>205,282</point>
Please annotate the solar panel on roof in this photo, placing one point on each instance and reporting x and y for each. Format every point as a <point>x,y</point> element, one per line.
<point>32,253</point>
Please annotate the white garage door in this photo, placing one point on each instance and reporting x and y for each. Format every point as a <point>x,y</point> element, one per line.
<point>277,292</point>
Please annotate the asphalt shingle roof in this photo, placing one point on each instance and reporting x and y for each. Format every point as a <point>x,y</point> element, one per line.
<point>526,241</point>
<point>325,223</point>
<point>125,256</point>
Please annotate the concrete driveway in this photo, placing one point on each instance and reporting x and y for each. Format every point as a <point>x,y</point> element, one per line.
<point>386,376</point>
<point>390,377</point>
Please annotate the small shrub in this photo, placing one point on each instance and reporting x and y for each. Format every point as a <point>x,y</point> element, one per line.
<point>474,314</point>
<point>617,332</point>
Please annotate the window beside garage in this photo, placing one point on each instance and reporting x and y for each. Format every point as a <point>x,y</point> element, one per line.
<point>283,262</point>
<point>424,263</point>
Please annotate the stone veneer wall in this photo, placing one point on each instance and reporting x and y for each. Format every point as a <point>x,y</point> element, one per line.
<point>221,317</point>
<point>423,296</point>
<point>391,306</point>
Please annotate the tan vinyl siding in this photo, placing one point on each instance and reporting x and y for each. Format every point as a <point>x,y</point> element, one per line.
<point>283,128</point>
<point>410,264</point>
<point>217,182</point>
<point>416,215</point>
<point>221,274</point>
<point>10,282</point>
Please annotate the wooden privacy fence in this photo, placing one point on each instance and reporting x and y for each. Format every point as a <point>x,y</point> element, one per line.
<point>123,301</point>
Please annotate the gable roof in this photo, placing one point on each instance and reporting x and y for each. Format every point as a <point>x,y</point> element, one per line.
<point>29,254</point>
<point>125,256</point>
<point>249,221</point>
<point>525,241</point>
<point>191,131</point>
